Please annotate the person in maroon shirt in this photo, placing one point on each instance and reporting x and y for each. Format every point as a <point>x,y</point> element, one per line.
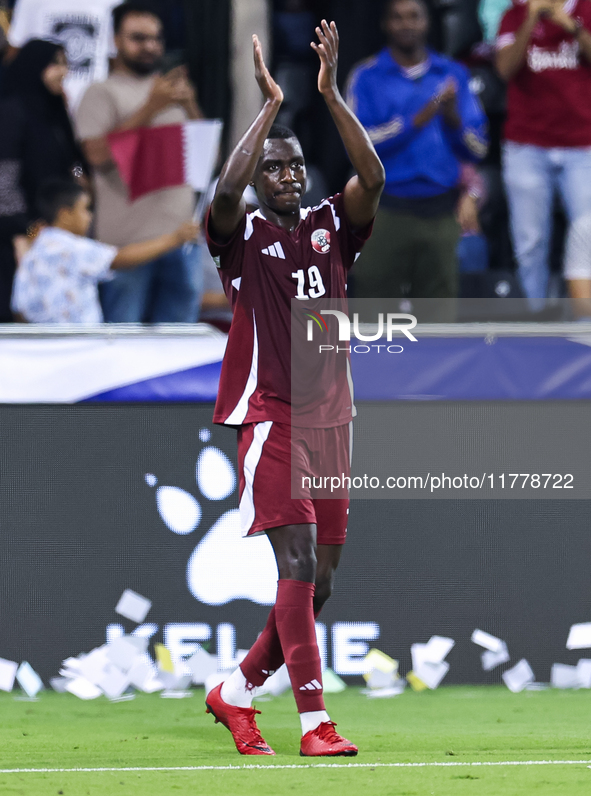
<point>266,260</point>
<point>544,52</point>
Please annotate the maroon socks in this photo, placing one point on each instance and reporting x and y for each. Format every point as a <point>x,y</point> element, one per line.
<point>290,636</point>
<point>265,656</point>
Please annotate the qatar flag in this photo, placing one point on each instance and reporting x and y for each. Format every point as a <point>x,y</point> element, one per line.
<point>152,158</point>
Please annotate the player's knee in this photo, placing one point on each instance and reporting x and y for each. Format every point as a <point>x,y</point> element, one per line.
<point>299,565</point>
<point>295,551</point>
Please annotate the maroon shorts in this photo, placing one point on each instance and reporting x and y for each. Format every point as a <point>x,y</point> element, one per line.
<point>266,452</point>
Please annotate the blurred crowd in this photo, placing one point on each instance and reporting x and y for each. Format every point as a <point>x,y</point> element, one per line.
<point>479,111</point>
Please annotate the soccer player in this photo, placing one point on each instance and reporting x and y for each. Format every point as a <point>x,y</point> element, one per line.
<point>267,258</point>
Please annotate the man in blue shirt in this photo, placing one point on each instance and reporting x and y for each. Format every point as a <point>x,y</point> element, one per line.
<point>423,121</point>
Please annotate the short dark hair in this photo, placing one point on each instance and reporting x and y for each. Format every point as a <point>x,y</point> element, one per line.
<point>280,131</point>
<point>387,5</point>
<point>133,7</point>
<point>55,194</point>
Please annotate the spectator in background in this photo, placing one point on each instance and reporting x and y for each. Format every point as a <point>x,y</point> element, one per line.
<point>56,281</point>
<point>82,27</point>
<point>168,288</point>
<point>36,143</point>
<point>544,52</point>
<point>423,120</point>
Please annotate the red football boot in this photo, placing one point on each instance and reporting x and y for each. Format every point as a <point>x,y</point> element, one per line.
<point>240,722</point>
<point>325,742</point>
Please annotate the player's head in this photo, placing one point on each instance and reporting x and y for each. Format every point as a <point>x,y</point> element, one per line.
<point>405,24</point>
<point>138,36</point>
<point>280,175</point>
<point>65,204</point>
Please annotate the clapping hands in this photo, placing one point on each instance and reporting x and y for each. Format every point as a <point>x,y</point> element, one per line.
<point>270,89</point>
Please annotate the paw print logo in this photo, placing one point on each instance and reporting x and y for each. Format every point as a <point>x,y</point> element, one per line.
<point>224,566</point>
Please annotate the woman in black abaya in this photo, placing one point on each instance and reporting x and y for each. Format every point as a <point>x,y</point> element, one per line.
<point>36,143</point>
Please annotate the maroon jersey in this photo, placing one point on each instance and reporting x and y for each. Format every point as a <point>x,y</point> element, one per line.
<point>548,99</point>
<point>263,268</point>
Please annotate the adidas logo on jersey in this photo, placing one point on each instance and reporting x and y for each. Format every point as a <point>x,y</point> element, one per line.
<point>275,250</point>
<point>314,685</point>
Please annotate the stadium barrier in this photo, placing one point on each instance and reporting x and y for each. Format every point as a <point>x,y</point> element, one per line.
<point>114,477</point>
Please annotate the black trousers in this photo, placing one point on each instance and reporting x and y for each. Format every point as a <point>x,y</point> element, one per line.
<point>409,257</point>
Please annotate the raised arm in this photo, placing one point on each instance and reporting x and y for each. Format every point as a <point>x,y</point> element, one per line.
<point>138,253</point>
<point>173,88</point>
<point>511,58</point>
<point>573,26</point>
<point>228,206</point>
<point>362,192</point>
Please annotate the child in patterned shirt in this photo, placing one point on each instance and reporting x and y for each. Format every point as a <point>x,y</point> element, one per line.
<point>57,279</point>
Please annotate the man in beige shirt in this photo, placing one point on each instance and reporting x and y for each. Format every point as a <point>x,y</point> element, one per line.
<point>168,289</point>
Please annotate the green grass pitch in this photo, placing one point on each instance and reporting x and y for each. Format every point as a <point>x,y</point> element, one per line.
<point>455,726</point>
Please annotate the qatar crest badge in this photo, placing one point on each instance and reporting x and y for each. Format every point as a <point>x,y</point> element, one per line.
<point>321,241</point>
